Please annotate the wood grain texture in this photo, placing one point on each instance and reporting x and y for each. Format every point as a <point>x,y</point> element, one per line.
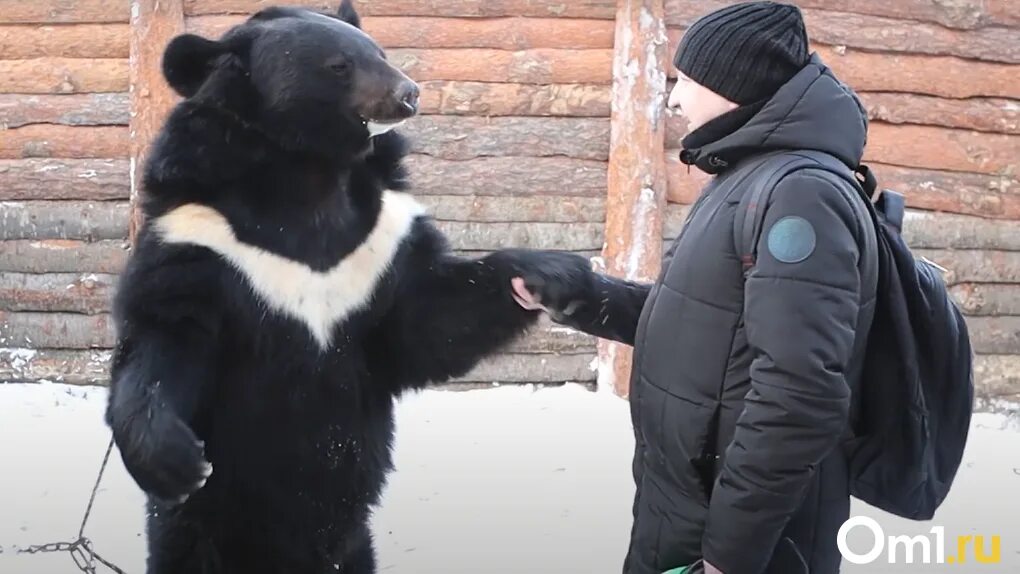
<point>17,110</point>
<point>72,142</point>
<point>880,33</point>
<point>89,293</point>
<point>153,24</point>
<point>956,192</point>
<point>537,66</point>
<point>996,115</point>
<point>960,14</point>
<point>988,299</point>
<point>446,8</point>
<point>503,99</point>
<point>515,209</point>
<point>637,184</point>
<point>464,138</point>
<point>63,256</point>
<point>82,220</point>
<point>64,41</point>
<point>63,75</point>
<point>40,179</point>
<point>64,11</point>
<point>508,176</point>
<point>943,148</point>
<point>503,33</point>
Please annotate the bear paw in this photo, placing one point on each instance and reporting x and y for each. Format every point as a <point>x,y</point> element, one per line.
<point>165,458</point>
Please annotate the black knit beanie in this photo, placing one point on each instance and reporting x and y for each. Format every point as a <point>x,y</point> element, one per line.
<point>744,52</point>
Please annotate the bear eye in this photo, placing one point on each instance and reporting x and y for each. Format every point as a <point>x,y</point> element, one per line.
<point>339,65</point>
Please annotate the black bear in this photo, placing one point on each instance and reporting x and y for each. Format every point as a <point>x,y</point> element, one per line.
<point>284,289</point>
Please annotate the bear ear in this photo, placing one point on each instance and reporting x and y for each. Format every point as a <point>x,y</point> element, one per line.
<point>348,14</point>
<point>187,62</point>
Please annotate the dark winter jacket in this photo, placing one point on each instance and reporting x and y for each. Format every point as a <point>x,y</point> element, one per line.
<point>741,388</point>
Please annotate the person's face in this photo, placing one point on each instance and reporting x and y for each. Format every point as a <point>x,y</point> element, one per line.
<point>696,102</point>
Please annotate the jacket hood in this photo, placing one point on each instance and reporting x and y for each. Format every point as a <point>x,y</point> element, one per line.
<point>813,111</point>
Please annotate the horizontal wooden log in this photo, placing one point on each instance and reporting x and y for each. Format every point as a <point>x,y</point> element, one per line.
<point>64,75</point>
<point>980,114</point>
<point>501,99</point>
<point>996,379</point>
<point>988,299</point>
<point>88,221</point>
<point>64,11</point>
<point>878,33</point>
<point>508,176</point>
<point>72,142</point>
<point>57,366</point>
<point>91,179</point>
<point>63,256</point>
<point>17,110</point>
<point>492,236</point>
<point>507,33</point>
<point>973,266</point>
<point>995,335</point>
<point>92,367</point>
<point>531,368</point>
<point>944,76</point>
<point>464,138</point>
<point>514,209</point>
<point>539,66</point>
<point>89,293</point>
<point>956,192</point>
<point>960,14</point>
<point>942,148</point>
<point>79,331</point>
<point>604,9</point>
<point>64,41</point>
<point>55,331</point>
<point>953,192</point>
<point>923,147</point>
<point>928,230</point>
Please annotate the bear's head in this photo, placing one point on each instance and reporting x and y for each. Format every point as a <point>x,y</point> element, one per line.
<point>312,82</point>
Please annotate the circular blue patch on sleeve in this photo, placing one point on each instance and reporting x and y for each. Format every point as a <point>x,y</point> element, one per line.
<point>792,239</point>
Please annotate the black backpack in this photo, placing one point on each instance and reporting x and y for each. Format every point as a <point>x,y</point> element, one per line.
<point>913,409</point>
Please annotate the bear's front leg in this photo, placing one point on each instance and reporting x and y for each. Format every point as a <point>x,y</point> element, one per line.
<point>158,377</point>
<point>451,312</point>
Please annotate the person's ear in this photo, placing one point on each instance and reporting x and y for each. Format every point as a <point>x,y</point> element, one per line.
<point>188,61</point>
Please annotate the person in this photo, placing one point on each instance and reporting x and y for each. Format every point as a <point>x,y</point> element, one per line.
<point>742,380</point>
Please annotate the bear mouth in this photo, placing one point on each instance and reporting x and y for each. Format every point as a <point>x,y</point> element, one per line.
<point>379,127</point>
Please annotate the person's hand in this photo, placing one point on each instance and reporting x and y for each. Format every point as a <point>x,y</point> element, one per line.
<point>709,569</point>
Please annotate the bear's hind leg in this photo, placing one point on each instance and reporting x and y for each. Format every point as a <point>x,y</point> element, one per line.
<point>176,545</point>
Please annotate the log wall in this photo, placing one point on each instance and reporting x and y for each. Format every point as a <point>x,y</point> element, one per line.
<point>525,139</point>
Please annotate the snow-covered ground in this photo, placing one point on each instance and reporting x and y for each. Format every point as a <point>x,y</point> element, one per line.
<point>512,480</point>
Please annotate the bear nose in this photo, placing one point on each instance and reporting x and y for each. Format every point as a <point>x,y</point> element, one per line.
<point>407,95</point>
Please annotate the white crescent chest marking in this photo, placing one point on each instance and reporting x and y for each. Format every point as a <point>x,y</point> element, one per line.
<point>319,299</point>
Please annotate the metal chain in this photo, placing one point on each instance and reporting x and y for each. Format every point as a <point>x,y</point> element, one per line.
<point>81,549</point>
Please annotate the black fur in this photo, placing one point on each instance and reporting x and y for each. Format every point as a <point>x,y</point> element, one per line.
<point>299,438</point>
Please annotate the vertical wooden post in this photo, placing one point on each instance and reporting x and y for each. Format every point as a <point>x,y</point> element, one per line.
<point>637,173</point>
<point>153,24</point>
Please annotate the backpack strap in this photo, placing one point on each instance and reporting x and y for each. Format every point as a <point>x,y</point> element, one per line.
<point>751,211</point>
